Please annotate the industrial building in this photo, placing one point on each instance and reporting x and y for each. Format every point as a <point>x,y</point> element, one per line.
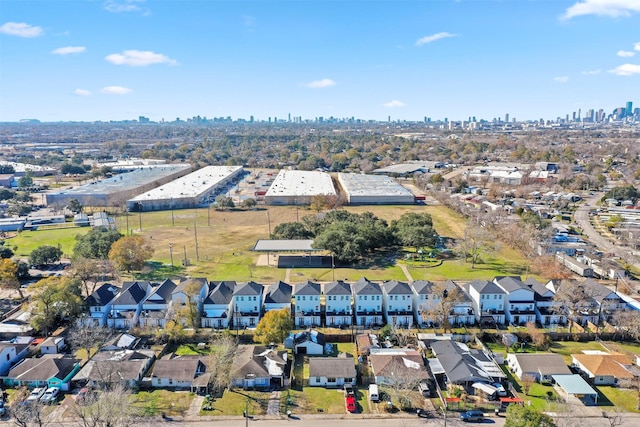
<point>293,187</point>
<point>190,191</point>
<point>115,191</point>
<point>361,189</point>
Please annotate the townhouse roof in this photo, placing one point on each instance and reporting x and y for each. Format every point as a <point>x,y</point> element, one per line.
<point>103,295</point>
<point>307,288</point>
<point>605,364</point>
<point>161,294</point>
<point>200,281</point>
<point>342,366</point>
<point>598,291</point>
<point>422,287</point>
<point>510,283</point>
<point>278,293</point>
<point>364,286</point>
<point>540,290</point>
<point>43,368</point>
<point>338,287</point>
<point>132,293</point>
<point>248,288</point>
<point>221,292</point>
<point>485,287</point>
<point>394,287</point>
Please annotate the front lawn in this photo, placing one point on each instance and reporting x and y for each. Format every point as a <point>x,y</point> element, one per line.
<point>157,402</point>
<point>623,398</point>
<point>192,350</point>
<point>236,402</point>
<point>313,400</point>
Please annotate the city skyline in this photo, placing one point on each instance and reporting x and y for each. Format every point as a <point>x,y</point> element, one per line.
<point>404,60</point>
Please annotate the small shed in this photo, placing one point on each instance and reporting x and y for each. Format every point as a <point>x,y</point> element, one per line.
<point>52,345</point>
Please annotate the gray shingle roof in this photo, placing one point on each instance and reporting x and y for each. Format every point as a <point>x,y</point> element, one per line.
<point>102,296</point>
<point>221,293</point>
<point>394,287</point>
<point>485,287</point>
<point>510,283</point>
<point>422,287</point>
<point>161,294</point>
<point>248,288</point>
<point>337,288</point>
<point>365,287</point>
<point>43,368</point>
<point>278,293</point>
<point>132,293</point>
<point>335,367</point>
<point>307,288</point>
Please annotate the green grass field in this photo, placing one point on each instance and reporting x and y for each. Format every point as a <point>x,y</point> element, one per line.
<point>161,401</point>
<point>27,241</point>
<point>236,402</point>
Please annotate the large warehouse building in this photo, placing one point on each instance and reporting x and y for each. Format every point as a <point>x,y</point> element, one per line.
<point>363,189</point>
<point>115,191</point>
<point>190,191</point>
<point>293,187</point>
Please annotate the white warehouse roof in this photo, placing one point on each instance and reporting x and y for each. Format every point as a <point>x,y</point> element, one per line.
<point>372,189</point>
<point>292,183</point>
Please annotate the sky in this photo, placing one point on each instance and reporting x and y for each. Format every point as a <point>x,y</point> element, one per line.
<point>89,60</point>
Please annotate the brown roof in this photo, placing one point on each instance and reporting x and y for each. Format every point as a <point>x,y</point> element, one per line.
<point>179,369</point>
<point>605,364</point>
<point>43,368</point>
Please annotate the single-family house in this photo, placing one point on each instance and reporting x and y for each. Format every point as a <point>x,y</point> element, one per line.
<point>464,366</point>
<point>306,342</point>
<point>547,309</point>
<point>10,354</point>
<point>247,304</point>
<point>306,298</point>
<point>126,367</point>
<point>187,298</point>
<point>397,303</point>
<point>50,370</point>
<point>259,367</point>
<point>393,365</point>
<point>541,366</point>
<point>489,301</point>
<point>520,300</point>
<point>605,368</point>
<point>217,307</point>
<point>338,305</point>
<point>125,308</point>
<point>99,303</point>
<point>155,307</point>
<point>52,345</point>
<point>278,297</point>
<point>332,371</point>
<point>177,372</point>
<point>367,301</point>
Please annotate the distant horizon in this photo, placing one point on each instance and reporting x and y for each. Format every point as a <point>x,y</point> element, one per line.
<point>115,60</point>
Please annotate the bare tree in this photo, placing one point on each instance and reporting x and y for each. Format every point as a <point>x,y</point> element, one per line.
<point>401,379</point>
<point>446,296</point>
<point>627,322</point>
<point>91,271</point>
<point>87,337</point>
<point>572,300</point>
<point>527,381</point>
<point>477,241</point>
<point>223,350</point>
<point>27,414</point>
<point>110,408</point>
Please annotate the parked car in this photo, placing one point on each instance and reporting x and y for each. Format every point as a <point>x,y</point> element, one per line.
<point>350,403</point>
<point>501,390</point>
<point>423,387</point>
<point>472,416</point>
<point>35,394</point>
<point>50,395</point>
<point>84,396</point>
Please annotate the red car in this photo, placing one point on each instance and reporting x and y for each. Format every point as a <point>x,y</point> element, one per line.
<point>350,403</point>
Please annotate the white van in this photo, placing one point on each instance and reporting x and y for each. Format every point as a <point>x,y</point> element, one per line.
<point>373,393</point>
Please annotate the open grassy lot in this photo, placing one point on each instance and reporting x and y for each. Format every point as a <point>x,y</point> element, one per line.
<point>192,349</point>
<point>314,400</point>
<point>566,348</point>
<point>236,402</point>
<point>159,401</point>
<point>623,398</point>
<point>27,241</point>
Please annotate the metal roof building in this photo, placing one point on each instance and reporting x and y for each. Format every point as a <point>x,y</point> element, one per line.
<point>189,191</point>
<point>293,187</point>
<point>115,191</point>
<point>363,189</point>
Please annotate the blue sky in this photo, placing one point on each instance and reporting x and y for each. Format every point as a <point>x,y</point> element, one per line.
<point>119,59</point>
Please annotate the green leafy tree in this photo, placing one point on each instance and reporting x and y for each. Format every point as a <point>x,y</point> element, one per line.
<point>249,203</point>
<point>26,180</point>
<point>291,230</point>
<point>45,255</point>
<point>9,276</point>
<point>7,169</point>
<point>415,230</point>
<point>5,252</point>
<point>75,206</point>
<point>224,202</point>
<point>526,416</point>
<point>274,326</point>
<point>129,253</point>
<point>96,243</point>
<point>6,194</point>
<point>54,299</point>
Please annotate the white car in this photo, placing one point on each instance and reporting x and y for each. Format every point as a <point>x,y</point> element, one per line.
<point>36,394</point>
<point>50,395</point>
<point>501,391</point>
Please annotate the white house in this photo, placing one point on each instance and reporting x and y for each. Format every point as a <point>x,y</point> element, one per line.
<point>488,301</point>
<point>247,304</point>
<point>156,306</point>
<point>338,309</point>
<point>11,354</point>
<point>177,373</point>
<point>367,301</point>
<point>99,303</point>
<point>546,307</point>
<point>427,295</point>
<point>194,289</point>
<point>541,366</point>
<point>520,301</point>
<point>278,297</point>
<point>52,345</point>
<point>397,303</point>
<point>126,307</point>
<point>306,342</point>
<point>332,372</point>
<point>307,301</point>
<point>217,307</point>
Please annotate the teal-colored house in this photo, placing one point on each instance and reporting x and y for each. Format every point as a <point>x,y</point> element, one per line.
<point>50,370</point>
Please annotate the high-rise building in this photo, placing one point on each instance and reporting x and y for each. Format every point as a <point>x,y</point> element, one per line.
<point>629,110</point>
<point>506,118</point>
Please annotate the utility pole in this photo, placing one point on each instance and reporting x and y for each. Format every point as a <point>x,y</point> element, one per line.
<point>171,254</point>
<point>195,232</point>
<point>173,222</point>
<point>209,215</point>
<point>269,220</point>
<point>185,255</point>
<point>140,214</point>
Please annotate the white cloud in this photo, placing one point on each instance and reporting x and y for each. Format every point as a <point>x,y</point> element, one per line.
<point>122,6</point>
<point>625,53</point>
<point>82,92</point>
<point>612,8</point>
<point>433,37</point>
<point>636,46</point>
<point>139,58</point>
<point>394,104</point>
<point>561,79</point>
<point>20,29</point>
<point>115,90</point>
<point>319,84</point>
<point>626,70</point>
<point>68,50</point>
<point>591,72</point>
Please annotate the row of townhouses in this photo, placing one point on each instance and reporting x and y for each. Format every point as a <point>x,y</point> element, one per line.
<point>224,304</point>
